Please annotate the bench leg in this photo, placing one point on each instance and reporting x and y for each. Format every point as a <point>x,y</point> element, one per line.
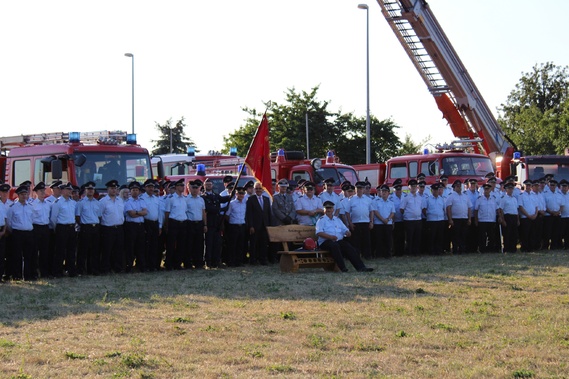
<point>287,263</point>
<point>332,267</point>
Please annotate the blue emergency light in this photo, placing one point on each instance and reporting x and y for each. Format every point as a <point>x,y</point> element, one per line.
<point>242,167</point>
<point>233,151</point>
<point>200,169</point>
<point>131,139</point>
<point>191,151</point>
<point>74,137</point>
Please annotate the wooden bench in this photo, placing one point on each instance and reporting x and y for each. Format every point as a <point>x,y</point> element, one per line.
<point>292,260</point>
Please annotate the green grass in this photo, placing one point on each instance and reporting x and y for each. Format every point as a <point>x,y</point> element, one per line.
<point>469,316</point>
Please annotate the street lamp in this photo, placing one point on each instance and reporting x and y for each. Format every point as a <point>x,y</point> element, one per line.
<point>130,55</point>
<point>368,129</point>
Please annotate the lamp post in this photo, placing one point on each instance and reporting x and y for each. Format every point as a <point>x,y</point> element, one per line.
<point>130,55</point>
<point>368,128</point>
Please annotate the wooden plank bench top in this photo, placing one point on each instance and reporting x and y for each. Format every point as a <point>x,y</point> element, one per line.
<point>293,259</point>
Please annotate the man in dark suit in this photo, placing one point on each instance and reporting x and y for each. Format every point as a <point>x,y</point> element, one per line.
<point>258,217</point>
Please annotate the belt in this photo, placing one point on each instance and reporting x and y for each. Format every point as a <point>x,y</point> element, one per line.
<point>151,221</point>
<point>68,225</point>
<point>37,226</point>
<point>134,222</point>
<point>112,226</point>
<point>237,224</point>
<point>195,222</point>
<point>89,225</point>
<point>176,221</point>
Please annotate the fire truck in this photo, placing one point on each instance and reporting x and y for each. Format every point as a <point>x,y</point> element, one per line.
<point>292,165</point>
<point>456,95</point>
<point>74,157</point>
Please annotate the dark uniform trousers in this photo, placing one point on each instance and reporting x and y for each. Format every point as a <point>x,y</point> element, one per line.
<point>343,249</point>
<point>195,255</point>
<point>176,247</point>
<point>112,248</point>
<point>236,244</point>
<point>565,232</point>
<point>458,235</point>
<point>2,253</point>
<point>23,254</point>
<point>413,236</point>
<point>153,248</point>
<point>436,232</point>
<point>65,250</point>
<point>526,227</point>
<point>42,237</point>
<point>383,236</point>
<point>88,252</point>
<point>537,233</point>
<point>399,239</point>
<point>361,239</point>
<point>510,233</point>
<point>551,232</point>
<point>135,246</point>
<point>487,237</point>
<point>213,243</point>
<point>472,236</point>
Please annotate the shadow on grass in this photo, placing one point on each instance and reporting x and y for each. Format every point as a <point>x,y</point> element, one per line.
<point>396,278</point>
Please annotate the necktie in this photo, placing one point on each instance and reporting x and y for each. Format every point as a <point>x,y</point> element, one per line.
<point>261,201</point>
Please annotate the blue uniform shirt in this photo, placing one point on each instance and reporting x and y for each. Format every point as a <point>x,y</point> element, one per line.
<point>397,202</point>
<point>133,204</point>
<point>63,211</point>
<point>177,206</point>
<point>384,208</point>
<point>112,211</point>
<point>153,206</point>
<point>308,204</point>
<point>236,211</point>
<point>88,210</point>
<point>412,207</point>
<point>435,208</point>
<point>41,212</point>
<point>333,226</point>
<point>20,217</point>
<point>486,207</point>
<point>509,205</point>
<point>529,203</point>
<point>459,204</point>
<point>359,209</point>
<point>195,208</point>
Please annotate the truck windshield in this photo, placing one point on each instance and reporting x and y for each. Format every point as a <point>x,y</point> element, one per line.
<point>467,166</point>
<point>339,174</point>
<point>103,167</point>
<point>559,170</point>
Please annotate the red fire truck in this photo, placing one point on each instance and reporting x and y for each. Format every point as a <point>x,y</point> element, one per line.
<point>456,95</point>
<point>74,157</point>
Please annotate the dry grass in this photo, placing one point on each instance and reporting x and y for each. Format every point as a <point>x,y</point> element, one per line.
<point>474,316</point>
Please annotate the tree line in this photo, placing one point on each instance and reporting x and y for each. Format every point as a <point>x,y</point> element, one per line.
<point>535,116</point>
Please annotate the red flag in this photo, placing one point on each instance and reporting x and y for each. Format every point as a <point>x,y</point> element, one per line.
<point>259,156</point>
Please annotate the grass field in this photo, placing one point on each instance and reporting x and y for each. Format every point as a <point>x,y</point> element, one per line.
<point>469,316</point>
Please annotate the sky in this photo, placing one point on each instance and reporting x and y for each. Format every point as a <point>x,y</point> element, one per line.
<point>63,68</point>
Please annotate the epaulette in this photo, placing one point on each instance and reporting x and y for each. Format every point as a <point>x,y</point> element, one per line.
<point>56,200</point>
<point>11,205</point>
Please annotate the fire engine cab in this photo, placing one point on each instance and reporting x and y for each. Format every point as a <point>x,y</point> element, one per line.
<point>291,165</point>
<point>74,157</point>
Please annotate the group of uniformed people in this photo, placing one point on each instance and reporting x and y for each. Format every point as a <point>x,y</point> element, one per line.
<point>72,232</point>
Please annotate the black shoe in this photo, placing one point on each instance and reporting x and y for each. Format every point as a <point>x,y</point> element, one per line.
<point>344,269</point>
<point>365,269</point>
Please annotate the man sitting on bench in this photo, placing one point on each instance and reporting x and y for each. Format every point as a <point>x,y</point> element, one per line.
<point>331,232</point>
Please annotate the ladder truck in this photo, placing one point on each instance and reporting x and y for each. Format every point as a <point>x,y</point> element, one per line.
<point>455,93</point>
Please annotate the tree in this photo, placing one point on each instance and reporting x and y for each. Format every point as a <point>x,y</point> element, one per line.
<point>408,146</point>
<point>179,142</point>
<point>536,112</point>
<point>328,130</point>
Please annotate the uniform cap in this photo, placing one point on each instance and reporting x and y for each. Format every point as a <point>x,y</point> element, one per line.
<point>75,188</point>
<point>457,182</point>
<point>134,184</point>
<point>68,186</point>
<point>112,183</point>
<point>421,176</point>
<point>527,181</point>
<point>26,183</point>
<point>55,184</point>
<point>563,182</point>
<point>39,186</point>
<point>412,182</point>
<point>489,175</point>
<point>328,204</point>
<point>422,183</point>
<point>150,182</point>
<point>179,182</point>
<point>360,184</point>
<point>194,183</point>
<point>553,181</point>
<point>443,177</point>
<point>487,185</point>
<point>123,186</point>
<point>435,186</point>
<point>509,185</point>
<point>22,189</point>
<point>384,187</point>
<point>227,179</point>
<point>230,185</point>
<point>240,189</point>
<point>283,183</point>
<point>473,181</point>
<point>329,181</point>
<point>249,184</point>
<point>4,187</point>
<point>309,185</point>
